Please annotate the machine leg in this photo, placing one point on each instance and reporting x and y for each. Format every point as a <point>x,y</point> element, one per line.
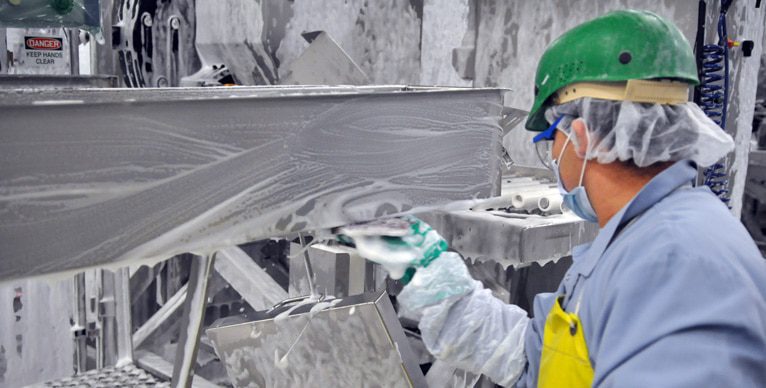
<point>193,318</point>
<point>79,328</point>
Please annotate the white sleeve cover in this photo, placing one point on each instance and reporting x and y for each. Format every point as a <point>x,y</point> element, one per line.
<point>463,324</point>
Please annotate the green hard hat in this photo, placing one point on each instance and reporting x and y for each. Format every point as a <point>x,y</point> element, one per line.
<point>618,46</point>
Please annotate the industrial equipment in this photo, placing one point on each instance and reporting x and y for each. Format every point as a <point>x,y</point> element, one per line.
<point>171,175</point>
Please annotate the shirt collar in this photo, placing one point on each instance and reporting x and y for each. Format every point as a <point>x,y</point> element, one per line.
<point>659,187</point>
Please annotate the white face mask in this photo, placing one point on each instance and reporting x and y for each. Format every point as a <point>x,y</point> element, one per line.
<point>576,200</point>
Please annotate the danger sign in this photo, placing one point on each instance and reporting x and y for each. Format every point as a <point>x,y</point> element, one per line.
<point>44,51</point>
<point>40,43</point>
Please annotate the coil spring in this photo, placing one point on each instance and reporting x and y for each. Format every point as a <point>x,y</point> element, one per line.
<point>714,91</point>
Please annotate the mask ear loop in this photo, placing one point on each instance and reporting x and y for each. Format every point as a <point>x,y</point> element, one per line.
<point>585,157</point>
<point>557,160</point>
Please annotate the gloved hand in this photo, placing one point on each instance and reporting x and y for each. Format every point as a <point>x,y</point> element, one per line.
<point>402,255</point>
<point>420,260</point>
<point>460,322</point>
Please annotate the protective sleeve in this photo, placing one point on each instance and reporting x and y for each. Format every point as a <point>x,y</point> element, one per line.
<point>462,324</point>
<point>681,318</point>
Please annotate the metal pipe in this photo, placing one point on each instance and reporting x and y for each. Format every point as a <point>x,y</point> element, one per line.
<point>193,318</point>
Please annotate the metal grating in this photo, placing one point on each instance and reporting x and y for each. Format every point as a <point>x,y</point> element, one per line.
<point>125,376</point>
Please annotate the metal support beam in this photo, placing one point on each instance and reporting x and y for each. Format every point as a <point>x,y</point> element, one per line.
<point>73,37</point>
<point>161,316</point>
<point>193,318</point>
<point>159,367</point>
<point>79,327</point>
<point>123,317</point>
<point>258,289</point>
<point>3,52</point>
<point>107,313</point>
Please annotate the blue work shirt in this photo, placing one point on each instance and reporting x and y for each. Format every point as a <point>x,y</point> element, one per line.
<point>672,294</point>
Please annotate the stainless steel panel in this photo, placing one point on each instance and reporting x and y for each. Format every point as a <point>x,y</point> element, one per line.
<point>358,342</point>
<point>336,271</point>
<point>324,63</point>
<point>95,177</point>
<point>511,239</point>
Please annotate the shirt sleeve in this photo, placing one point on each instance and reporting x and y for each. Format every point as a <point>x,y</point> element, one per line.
<point>677,317</point>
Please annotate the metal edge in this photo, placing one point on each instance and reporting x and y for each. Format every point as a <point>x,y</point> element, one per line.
<point>396,335</point>
<point>104,96</point>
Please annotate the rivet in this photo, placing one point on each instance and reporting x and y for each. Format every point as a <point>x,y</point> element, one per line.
<point>625,57</point>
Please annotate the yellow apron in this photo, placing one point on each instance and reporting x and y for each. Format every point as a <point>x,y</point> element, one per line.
<point>564,361</point>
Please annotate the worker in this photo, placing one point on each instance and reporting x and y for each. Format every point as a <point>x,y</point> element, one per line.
<point>672,291</point>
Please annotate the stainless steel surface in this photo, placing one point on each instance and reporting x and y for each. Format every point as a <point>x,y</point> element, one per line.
<point>39,81</point>
<point>509,238</point>
<point>258,289</point>
<point>160,317</point>
<point>323,63</point>
<point>105,176</point>
<point>122,316</point>
<point>239,45</point>
<point>125,376</point>
<point>355,342</point>
<point>336,272</point>
<point>102,54</point>
<point>161,368</point>
<point>109,321</point>
<point>3,52</point>
<point>496,229</point>
<point>79,323</point>
<point>309,272</point>
<point>73,36</point>
<point>193,319</point>
<point>758,158</point>
<point>114,321</point>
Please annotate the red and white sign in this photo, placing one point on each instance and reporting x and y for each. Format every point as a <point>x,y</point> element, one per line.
<point>46,52</point>
<point>43,43</point>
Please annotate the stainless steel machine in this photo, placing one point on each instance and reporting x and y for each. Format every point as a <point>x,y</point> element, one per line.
<point>167,188</point>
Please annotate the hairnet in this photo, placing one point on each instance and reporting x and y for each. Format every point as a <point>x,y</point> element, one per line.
<point>645,133</point>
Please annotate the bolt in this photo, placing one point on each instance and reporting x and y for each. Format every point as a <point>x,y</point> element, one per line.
<point>146,19</point>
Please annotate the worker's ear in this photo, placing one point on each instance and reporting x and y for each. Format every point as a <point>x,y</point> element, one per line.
<point>581,137</point>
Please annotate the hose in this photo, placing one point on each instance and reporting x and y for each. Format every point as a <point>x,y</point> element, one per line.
<point>713,95</point>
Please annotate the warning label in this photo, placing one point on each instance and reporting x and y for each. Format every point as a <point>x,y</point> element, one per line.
<point>41,43</point>
<point>44,51</point>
